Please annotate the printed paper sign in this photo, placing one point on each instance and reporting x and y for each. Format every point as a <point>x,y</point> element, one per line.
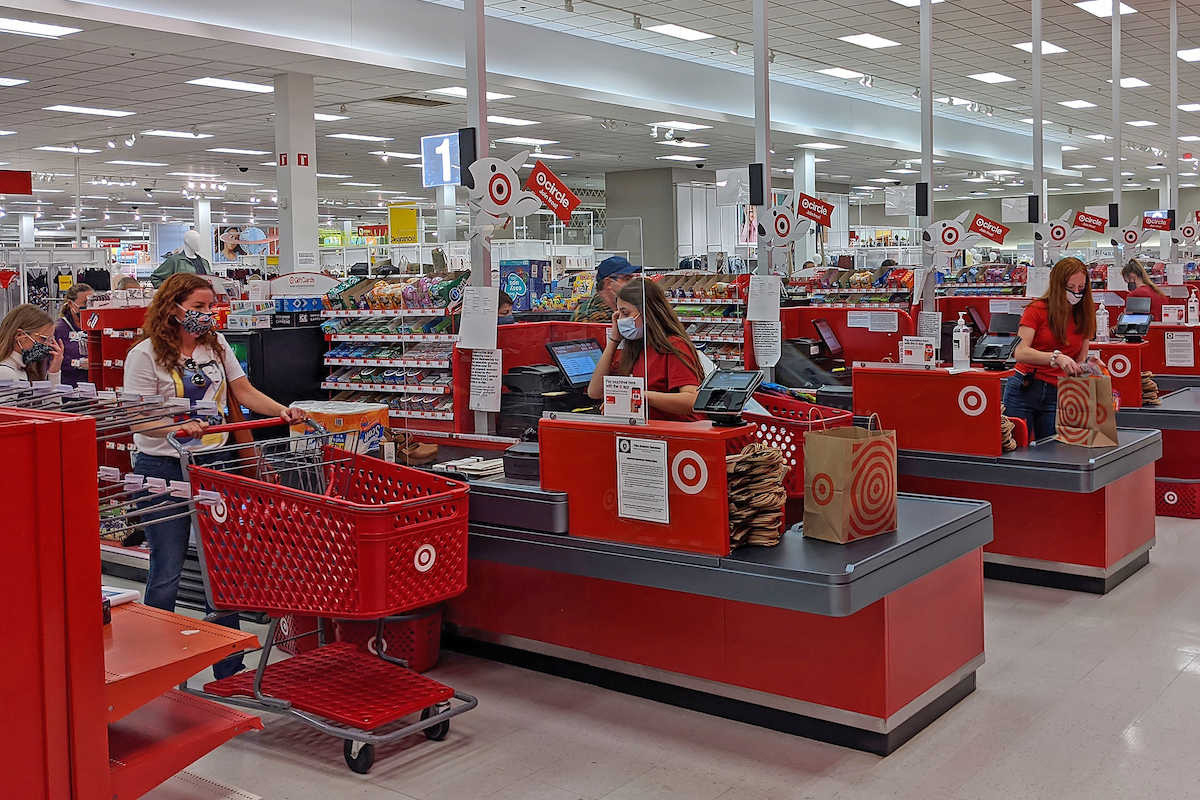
<point>818,211</point>
<point>642,479</point>
<point>858,319</point>
<point>768,342</point>
<point>763,302</point>
<point>552,191</point>
<point>988,229</point>
<point>1115,282</point>
<point>916,350</point>
<point>625,396</point>
<point>1155,223</point>
<point>1037,281</point>
<point>1173,314</point>
<point>1175,274</point>
<point>1091,222</point>
<point>477,330</point>
<point>884,322</point>
<point>1180,351</point>
<point>998,306</point>
<point>929,326</point>
<point>486,372</point>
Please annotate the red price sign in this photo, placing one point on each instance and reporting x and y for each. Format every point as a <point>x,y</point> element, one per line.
<point>989,229</point>
<point>1156,224</point>
<point>552,191</point>
<point>818,211</point>
<point>1090,222</point>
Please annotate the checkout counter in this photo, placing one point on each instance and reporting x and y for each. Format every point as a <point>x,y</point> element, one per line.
<point>1177,473</point>
<point>1173,355</point>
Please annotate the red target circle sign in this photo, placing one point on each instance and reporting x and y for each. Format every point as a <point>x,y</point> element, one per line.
<point>499,189</point>
<point>1072,405</point>
<point>1131,236</point>
<point>1058,233</point>
<point>424,558</point>
<point>783,226</point>
<point>822,489</point>
<point>950,236</point>
<point>689,472</point>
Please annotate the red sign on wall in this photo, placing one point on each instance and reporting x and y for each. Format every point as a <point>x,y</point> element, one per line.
<point>373,230</point>
<point>818,211</point>
<point>552,191</point>
<point>283,159</point>
<point>302,159</point>
<point>14,181</point>
<point>1090,222</point>
<point>989,229</point>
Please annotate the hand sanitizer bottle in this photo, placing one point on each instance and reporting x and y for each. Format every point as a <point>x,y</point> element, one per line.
<point>1102,325</point>
<point>962,344</point>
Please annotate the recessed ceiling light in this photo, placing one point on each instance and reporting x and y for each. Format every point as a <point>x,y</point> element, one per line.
<point>867,188</point>
<point>1155,166</point>
<point>208,176</point>
<point>820,161</point>
<point>527,142</point>
<point>838,72</point>
<point>679,157</point>
<point>1188,174</point>
<point>365,185</point>
<point>1073,185</point>
<point>902,171</point>
<point>546,156</point>
<point>1131,83</point>
<point>52,148</point>
<point>1110,158</point>
<point>237,86</point>
<point>1189,107</point>
<point>1141,123</point>
<point>821,146</point>
<point>883,180</point>
<point>674,143</point>
<point>680,32</point>
<point>1076,104</point>
<point>240,183</point>
<point>868,40</point>
<point>1190,55</point>
<point>389,154</point>
<point>93,112</point>
<point>979,179</point>
<point>233,151</point>
<point>8,133</point>
<point>328,117</point>
<point>39,30</point>
<point>1100,137</point>
<point>1068,147</point>
<point>1103,8</point>
<point>1082,166</point>
<point>1029,121</point>
<point>137,163</point>
<point>12,81</point>
<point>359,137</point>
<point>269,164</point>
<point>1187,186</point>
<point>332,175</point>
<point>991,77</point>
<point>460,91</point>
<point>511,121</point>
<point>979,194</point>
<point>680,126</point>
<point>1189,138</point>
<point>918,161</point>
<point>996,189</point>
<point>1048,49</point>
<point>178,134</point>
<point>1126,174</point>
<point>1097,180</point>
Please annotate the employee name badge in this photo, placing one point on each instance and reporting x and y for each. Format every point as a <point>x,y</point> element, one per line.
<point>916,350</point>
<point>1173,314</point>
<point>625,396</point>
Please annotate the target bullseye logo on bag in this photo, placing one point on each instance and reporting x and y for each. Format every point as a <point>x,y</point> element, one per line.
<point>1119,366</point>
<point>822,489</point>
<point>849,484</point>
<point>689,472</point>
<point>1084,412</point>
<point>972,401</point>
<point>424,558</point>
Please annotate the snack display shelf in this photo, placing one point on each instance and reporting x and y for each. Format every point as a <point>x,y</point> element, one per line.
<point>980,286</point>
<point>383,312</point>
<point>730,320</point>
<point>385,387</point>
<point>703,337</point>
<point>697,301</point>
<point>392,337</point>
<point>820,302</point>
<point>437,415</point>
<point>386,362</point>
<point>877,290</point>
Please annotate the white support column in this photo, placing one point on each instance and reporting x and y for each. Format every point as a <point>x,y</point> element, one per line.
<point>476,63</point>
<point>27,229</point>
<point>78,206</point>
<point>804,179</point>
<point>296,154</point>
<point>1173,150</point>
<point>202,223</point>
<point>927,290</point>
<point>447,218</point>
<point>1039,142</point>
<point>1164,201</point>
<point>762,123</point>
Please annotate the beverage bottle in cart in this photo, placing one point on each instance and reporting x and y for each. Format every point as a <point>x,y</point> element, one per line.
<point>962,343</point>
<point>1102,326</point>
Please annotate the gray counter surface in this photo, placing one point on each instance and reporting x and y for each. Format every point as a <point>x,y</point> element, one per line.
<point>1180,411</point>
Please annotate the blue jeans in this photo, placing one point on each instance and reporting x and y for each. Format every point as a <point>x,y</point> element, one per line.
<point>1037,405</point>
<point>168,543</point>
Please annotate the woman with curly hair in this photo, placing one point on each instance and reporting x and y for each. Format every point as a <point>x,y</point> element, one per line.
<point>181,355</point>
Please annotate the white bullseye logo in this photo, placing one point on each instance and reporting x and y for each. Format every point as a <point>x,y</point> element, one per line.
<point>689,471</point>
<point>424,558</point>
<point>1170,498</point>
<point>972,401</point>
<point>1119,366</point>
<point>220,512</point>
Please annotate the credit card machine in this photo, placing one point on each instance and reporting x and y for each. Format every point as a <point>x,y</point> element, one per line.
<point>724,393</point>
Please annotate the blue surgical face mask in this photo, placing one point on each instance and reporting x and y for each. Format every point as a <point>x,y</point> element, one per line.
<point>507,319</point>
<point>628,328</point>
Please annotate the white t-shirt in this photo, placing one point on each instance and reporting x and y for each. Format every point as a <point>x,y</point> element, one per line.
<point>144,376</point>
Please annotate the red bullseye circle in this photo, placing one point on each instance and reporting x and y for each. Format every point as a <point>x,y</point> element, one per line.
<point>873,488</point>
<point>783,226</point>
<point>1131,237</point>
<point>499,189</point>
<point>949,236</point>
<point>822,489</point>
<point>1072,405</point>
<point>1058,233</point>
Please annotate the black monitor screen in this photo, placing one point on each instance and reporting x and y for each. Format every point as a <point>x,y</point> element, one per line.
<point>828,336</point>
<point>977,318</point>
<point>1137,305</point>
<point>1135,319</point>
<point>731,379</point>
<point>576,359</point>
<point>1005,323</point>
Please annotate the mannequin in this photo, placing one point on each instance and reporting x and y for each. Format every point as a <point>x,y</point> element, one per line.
<point>188,259</point>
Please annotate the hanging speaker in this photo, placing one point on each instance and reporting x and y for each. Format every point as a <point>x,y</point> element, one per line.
<point>468,154</point>
<point>1171,216</point>
<point>1035,212</point>
<point>758,193</point>
<point>1114,216</point>
<point>923,200</point>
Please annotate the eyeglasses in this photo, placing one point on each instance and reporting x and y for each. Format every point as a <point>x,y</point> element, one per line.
<point>197,370</point>
<point>37,337</point>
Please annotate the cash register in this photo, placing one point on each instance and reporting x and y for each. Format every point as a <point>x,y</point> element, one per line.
<point>1134,322</point>
<point>537,388</point>
<point>724,393</point>
<point>997,349</point>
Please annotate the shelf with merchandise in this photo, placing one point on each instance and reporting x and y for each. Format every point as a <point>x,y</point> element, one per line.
<point>392,337</point>
<point>398,388</point>
<point>335,361</point>
<point>332,313</point>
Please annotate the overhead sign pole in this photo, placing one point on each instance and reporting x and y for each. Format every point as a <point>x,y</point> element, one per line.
<point>1039,143</point>
<point>762,128</point>
<point>1173,150</point>
<point>1114,213</point>
<point>928,301</point>
<point>476,64</point>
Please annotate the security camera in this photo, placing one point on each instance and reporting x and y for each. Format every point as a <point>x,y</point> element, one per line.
<point>135,208</point>
<point>360,216</point>
<point>679,138</point>
<point>700,165</point>
<point>243,169</point>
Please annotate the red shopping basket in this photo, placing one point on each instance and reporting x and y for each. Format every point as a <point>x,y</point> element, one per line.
<point>785,427</point>
<point>392,540</point>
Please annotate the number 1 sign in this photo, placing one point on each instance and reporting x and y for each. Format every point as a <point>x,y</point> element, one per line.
<point>439,160</point>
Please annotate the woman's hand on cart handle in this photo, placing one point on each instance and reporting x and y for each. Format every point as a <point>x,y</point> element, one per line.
<point>194,429</point>
<point>293,416</point>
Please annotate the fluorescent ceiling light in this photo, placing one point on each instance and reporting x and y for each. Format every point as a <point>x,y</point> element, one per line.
<point>820,160</point>
<point>838,72</point>
<point>1068,147</point>
<point>1103,8</point>
<point>38,29</point>
<point>94,112</point>
<point>1076,104</point>
<point>991,77</point>
<point>233,151</point>
<point>366,185</point>
<point>918,161</point>
<point>980,179</point>
<point>1181,138</point>
<point>680,126</point>
<point>685,143</point>
<point>903,171</point>
<point>680,32</point>
<point>358,137</point>
<point>1131,83</point>
<point>12,81</point>
<point>8,133</point>
<point>1190,107</point>
<point>1029,121</point>
<point>511,121</point>
<point>1155,166</point>
<point>332,175</point>
<point>460,91</point>
<point>51,148</point>
<point>869,40</point>
<point>178,134</point>
<point>1048,49</point>
<point>208,176</point>
<point>1002,172</point>
<point>528,142</point>
<point>1100,137</point>
<point>678,157</point>
<point>1097,180</point>
<point>883,180</point>
<point>328,117</point>
<point>1109,158</point>
<point>1187,186</point>
<point>237,86</point>
<point>914,3</point>
<point>1126,174</point>
<point>269,164</point>
<point>137,163</point>
<point>387,153</point>
<point>1141,123</point>
<point>239,183</point>
<point>1187,174</point>
<point>1073,185</point>
<point>1082,166</point>
<point>547,156</point>
<point>821,146</point>
<point>867,188</point>
<point>1190,55</point>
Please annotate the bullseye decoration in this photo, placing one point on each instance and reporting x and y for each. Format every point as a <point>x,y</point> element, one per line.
<point>873,488</point>
<point>1101,412</point>
<point>1188,231</point>
<point>1073,403</point>
<point>1131,236</point>
<point>1058,234</point>
<point>499,189</point>
<point>1170,498</point>
<point>424,558</point>
<point>822,489</point>
<point>950,235</point>
<point>972,401</point>
<point>689,472</point>
<point>1119,366</point>
<point>373,645</point>
<point>220,512</point>
<point>783,226</point>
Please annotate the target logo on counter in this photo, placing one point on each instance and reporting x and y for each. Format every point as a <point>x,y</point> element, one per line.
<point>1119,366</point>
<point>972,401</point>
<point>822,489</point>
<point>424,558</point>
<point>689,472</point>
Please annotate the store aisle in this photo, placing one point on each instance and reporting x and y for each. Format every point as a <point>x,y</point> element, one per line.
<point>1082,697</point>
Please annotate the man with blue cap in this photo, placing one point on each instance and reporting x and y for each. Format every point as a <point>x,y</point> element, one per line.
<point>613,273</point>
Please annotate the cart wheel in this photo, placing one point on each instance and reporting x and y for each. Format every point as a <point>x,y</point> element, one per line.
<point>437,732</point>
<point>361,763</point>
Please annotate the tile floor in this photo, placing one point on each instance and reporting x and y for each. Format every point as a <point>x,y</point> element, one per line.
<point>1082,697</point>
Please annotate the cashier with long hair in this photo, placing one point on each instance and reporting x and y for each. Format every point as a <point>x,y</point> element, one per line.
<point>1140,285</point>
<point>648,341</point>
<point>1054,335</point>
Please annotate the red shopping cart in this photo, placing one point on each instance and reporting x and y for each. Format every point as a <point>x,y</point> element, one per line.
<point>306,528</point>
<point>784,429</point>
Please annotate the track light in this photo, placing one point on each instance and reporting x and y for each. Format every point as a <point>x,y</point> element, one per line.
<point>770,56</point>
<point>342,110</point>
<point>866,80</point>
<point>637,22</point>
<point>195,130</point>
<point>111,144</point>
<point>653,131</point>
<point>385,158</point>
<point>733,51</point>
<point>917,93</point>
<point>671,133</point>
<point>130,140</point>
<point>568,6</point>
<point>75,148</point>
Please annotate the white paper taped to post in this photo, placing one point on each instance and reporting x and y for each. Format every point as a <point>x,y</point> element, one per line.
<point>763,302</point>
<point>768,342</point>
<point>487,370</point>
<point>1180,350</point>
<point>477,329</point>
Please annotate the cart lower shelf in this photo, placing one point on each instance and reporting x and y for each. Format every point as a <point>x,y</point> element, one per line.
<point>341,683</point>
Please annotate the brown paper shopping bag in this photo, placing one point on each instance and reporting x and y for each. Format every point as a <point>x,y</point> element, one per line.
<point>1085,412</point>
<point>849,484</point>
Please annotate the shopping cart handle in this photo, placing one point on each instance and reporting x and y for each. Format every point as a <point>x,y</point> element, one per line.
<point>250,424</point>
